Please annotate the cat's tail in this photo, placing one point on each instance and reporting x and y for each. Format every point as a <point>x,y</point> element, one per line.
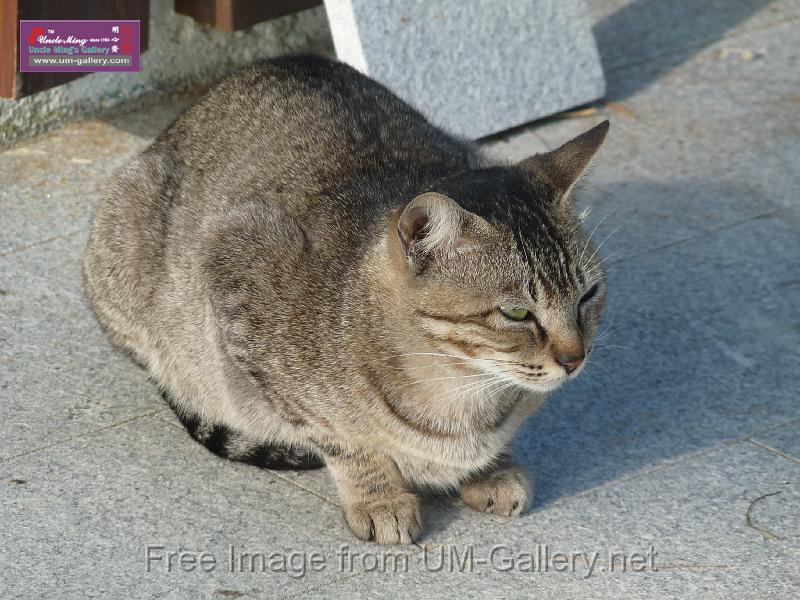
<point>228,443</point>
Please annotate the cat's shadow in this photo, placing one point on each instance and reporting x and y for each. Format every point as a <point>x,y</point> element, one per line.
<point>694,347</point>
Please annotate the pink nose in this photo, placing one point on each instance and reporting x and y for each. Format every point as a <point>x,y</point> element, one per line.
<point>570,362</point>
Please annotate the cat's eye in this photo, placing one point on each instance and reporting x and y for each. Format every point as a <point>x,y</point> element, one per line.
<point>515,314</point>
<point>591,293</point>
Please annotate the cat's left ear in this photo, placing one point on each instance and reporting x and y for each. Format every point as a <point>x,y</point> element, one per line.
<point>432,224</point>
<point>564,166</point>
<point>431,221</point>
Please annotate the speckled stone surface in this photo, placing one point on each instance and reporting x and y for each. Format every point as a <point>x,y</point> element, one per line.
<point>681,532</point>
<point>683,436</point>
<point>476,67</point>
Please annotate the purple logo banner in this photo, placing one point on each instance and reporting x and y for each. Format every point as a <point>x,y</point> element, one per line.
<point>78,46</point>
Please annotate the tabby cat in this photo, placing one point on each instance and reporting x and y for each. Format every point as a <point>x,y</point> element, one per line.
<point>315,275</point>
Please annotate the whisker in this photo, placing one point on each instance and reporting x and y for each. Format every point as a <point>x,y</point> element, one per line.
<point>588,239</point>
<point>472,387</point>
<point>519,393</point>
<point>447,377</point>
<point>607,256</point>
<point>596,250</point>
<point>596,364</point>
<point>608,328</point>
<point>448,364</point>
<point>489,390</point>
<point>607,333</point>
<point>500,390</point>
<point>423,354</point>
<point>473,384</point>
<point>464,359</point>
<point>482,387</point>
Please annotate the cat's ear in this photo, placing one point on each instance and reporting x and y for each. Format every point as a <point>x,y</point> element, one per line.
<point>429,223</point>
<point>564,166</point>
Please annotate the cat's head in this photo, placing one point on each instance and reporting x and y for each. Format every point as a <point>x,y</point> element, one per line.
<point>500,271</point>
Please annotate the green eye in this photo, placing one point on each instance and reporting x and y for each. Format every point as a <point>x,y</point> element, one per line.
<point>515,314</point>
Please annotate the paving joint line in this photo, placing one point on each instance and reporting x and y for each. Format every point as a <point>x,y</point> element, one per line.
<point>275,473</point>
<point>701,235</point>
<point>62,236</point>
<point>773,450</point>
<point>278,475</point>
<point>79,436</point>
<point>161,418</point>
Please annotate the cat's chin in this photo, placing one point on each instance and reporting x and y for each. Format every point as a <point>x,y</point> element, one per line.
<point>543,387</point>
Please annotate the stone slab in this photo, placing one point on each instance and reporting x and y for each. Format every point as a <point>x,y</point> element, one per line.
<point>59,377</point>
<point>77,521</point>
<point>474,68</point>
<point>693,515</point>
<point>49,184</point>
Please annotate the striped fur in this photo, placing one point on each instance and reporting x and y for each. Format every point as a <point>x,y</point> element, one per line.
<point>303,258</point>
<point>233,445</point>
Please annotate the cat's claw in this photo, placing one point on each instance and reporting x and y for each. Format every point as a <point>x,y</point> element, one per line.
<point>386,520</point>
<point>507,492</point>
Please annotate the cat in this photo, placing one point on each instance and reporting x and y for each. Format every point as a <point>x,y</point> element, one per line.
<point>314,274</point>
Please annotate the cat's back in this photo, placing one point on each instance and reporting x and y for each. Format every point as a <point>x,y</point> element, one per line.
<point>314,145</point>
<point>298,123</point>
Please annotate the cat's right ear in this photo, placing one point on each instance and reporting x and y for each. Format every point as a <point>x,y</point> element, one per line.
<point>564,166</point>
<point>430,223</point>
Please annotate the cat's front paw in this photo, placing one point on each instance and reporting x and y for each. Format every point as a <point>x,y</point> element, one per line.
<point>387,520</point>
<point>507,492</point>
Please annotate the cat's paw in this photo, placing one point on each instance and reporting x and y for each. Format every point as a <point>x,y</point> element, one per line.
<point>387,520</point>
<point>507,492</point>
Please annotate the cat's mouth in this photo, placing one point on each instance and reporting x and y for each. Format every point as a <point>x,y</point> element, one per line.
<point>535,379</point>
<point>539,378</point>
<point>545,378</point>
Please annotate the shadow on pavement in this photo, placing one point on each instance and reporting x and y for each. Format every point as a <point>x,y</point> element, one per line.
<point>663,34</point>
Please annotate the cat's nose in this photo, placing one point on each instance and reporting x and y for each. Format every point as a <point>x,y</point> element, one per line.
<point>570,362</point>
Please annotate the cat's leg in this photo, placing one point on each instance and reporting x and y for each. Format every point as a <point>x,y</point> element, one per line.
<point>378,504</point>
<point>506,490</point>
